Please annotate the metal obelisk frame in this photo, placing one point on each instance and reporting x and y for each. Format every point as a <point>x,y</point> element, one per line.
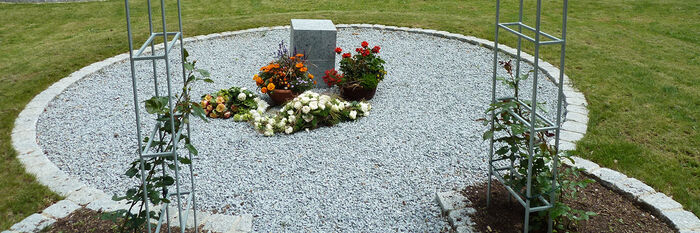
<point>144,153</point>
<point>534,116</point>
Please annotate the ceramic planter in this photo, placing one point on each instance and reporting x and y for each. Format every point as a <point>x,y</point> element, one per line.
<point>356,92</point>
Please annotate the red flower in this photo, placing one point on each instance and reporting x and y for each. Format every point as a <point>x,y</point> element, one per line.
<point>358,50</point>
<point>332,78</point>
<point>375,49</point>
<point>346,55</point>
<point>338,50</point>
<point>365,52</point>
<point>365,44</point>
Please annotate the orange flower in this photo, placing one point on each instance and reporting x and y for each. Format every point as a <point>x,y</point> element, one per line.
<point>303,69</point>
<point>314,82</point>
<point>276,66</point>
<point>263,90</point>
<point>300,55</point>
<point>292,58</point>
<point>270,86</point>
<point>311,76</point>
<point>299,65</point>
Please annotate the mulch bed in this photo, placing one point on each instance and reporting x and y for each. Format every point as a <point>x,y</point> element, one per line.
<point>89,221</point>
<point>616,213</point>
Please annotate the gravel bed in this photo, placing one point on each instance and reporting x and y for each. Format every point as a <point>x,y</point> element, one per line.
<point>379,173</point>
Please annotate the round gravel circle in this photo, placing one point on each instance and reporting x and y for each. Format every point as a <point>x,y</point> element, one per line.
<point>378,174</point>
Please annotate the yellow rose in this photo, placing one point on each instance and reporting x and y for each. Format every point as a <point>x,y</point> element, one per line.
<point>208,97</point>
<point>219,99</point>
<point>220,108</point>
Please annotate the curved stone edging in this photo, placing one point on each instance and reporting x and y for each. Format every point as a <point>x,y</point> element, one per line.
<point>24,141</point>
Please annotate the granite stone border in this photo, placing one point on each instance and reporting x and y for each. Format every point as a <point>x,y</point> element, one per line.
<point>453,204</point>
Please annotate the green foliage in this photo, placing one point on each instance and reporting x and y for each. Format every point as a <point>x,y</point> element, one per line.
<point>512,139</point>
<point>156,170</point>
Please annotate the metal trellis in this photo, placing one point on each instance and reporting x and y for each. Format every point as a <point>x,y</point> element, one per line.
<point>169,41</point>
<point>517,28</point>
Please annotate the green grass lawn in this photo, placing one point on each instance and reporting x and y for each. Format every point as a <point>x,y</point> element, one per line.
<point>635,60</point>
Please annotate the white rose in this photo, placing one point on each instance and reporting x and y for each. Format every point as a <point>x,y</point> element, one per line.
<point>257,118</point>
<point>268,127</point>
<point>271,121</point>
<point>257,125</point>
<point>313,105</point>
<point>314,94</point>
<point>262,105</point>
<point>305,100</point>
<point>269,133</point>
<point>297,105</point>
<point>353,114</point>
<point>364,107</point>
<point>241,96</point>
<point>335,108</point>
<point>305,109</point>
<point>366,114</point>
<point>290,112</point>
<point>289,130</point>
<point>252,112</point>
<point>308,118</point>
<point>322,106</point>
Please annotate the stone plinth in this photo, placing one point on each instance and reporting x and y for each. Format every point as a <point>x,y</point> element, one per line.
<point>316,39</point>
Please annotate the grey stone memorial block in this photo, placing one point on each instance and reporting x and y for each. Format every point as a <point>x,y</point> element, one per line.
<point>316,39</point>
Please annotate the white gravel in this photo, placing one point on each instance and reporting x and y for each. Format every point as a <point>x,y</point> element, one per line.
<point>377,174</point>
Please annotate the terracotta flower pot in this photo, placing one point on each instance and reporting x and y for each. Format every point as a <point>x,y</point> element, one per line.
<point>280,96</point>
<point>356,92</point>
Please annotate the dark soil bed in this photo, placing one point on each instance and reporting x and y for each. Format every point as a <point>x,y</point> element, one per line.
<point>615,213</point>
<point>88,221</point>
